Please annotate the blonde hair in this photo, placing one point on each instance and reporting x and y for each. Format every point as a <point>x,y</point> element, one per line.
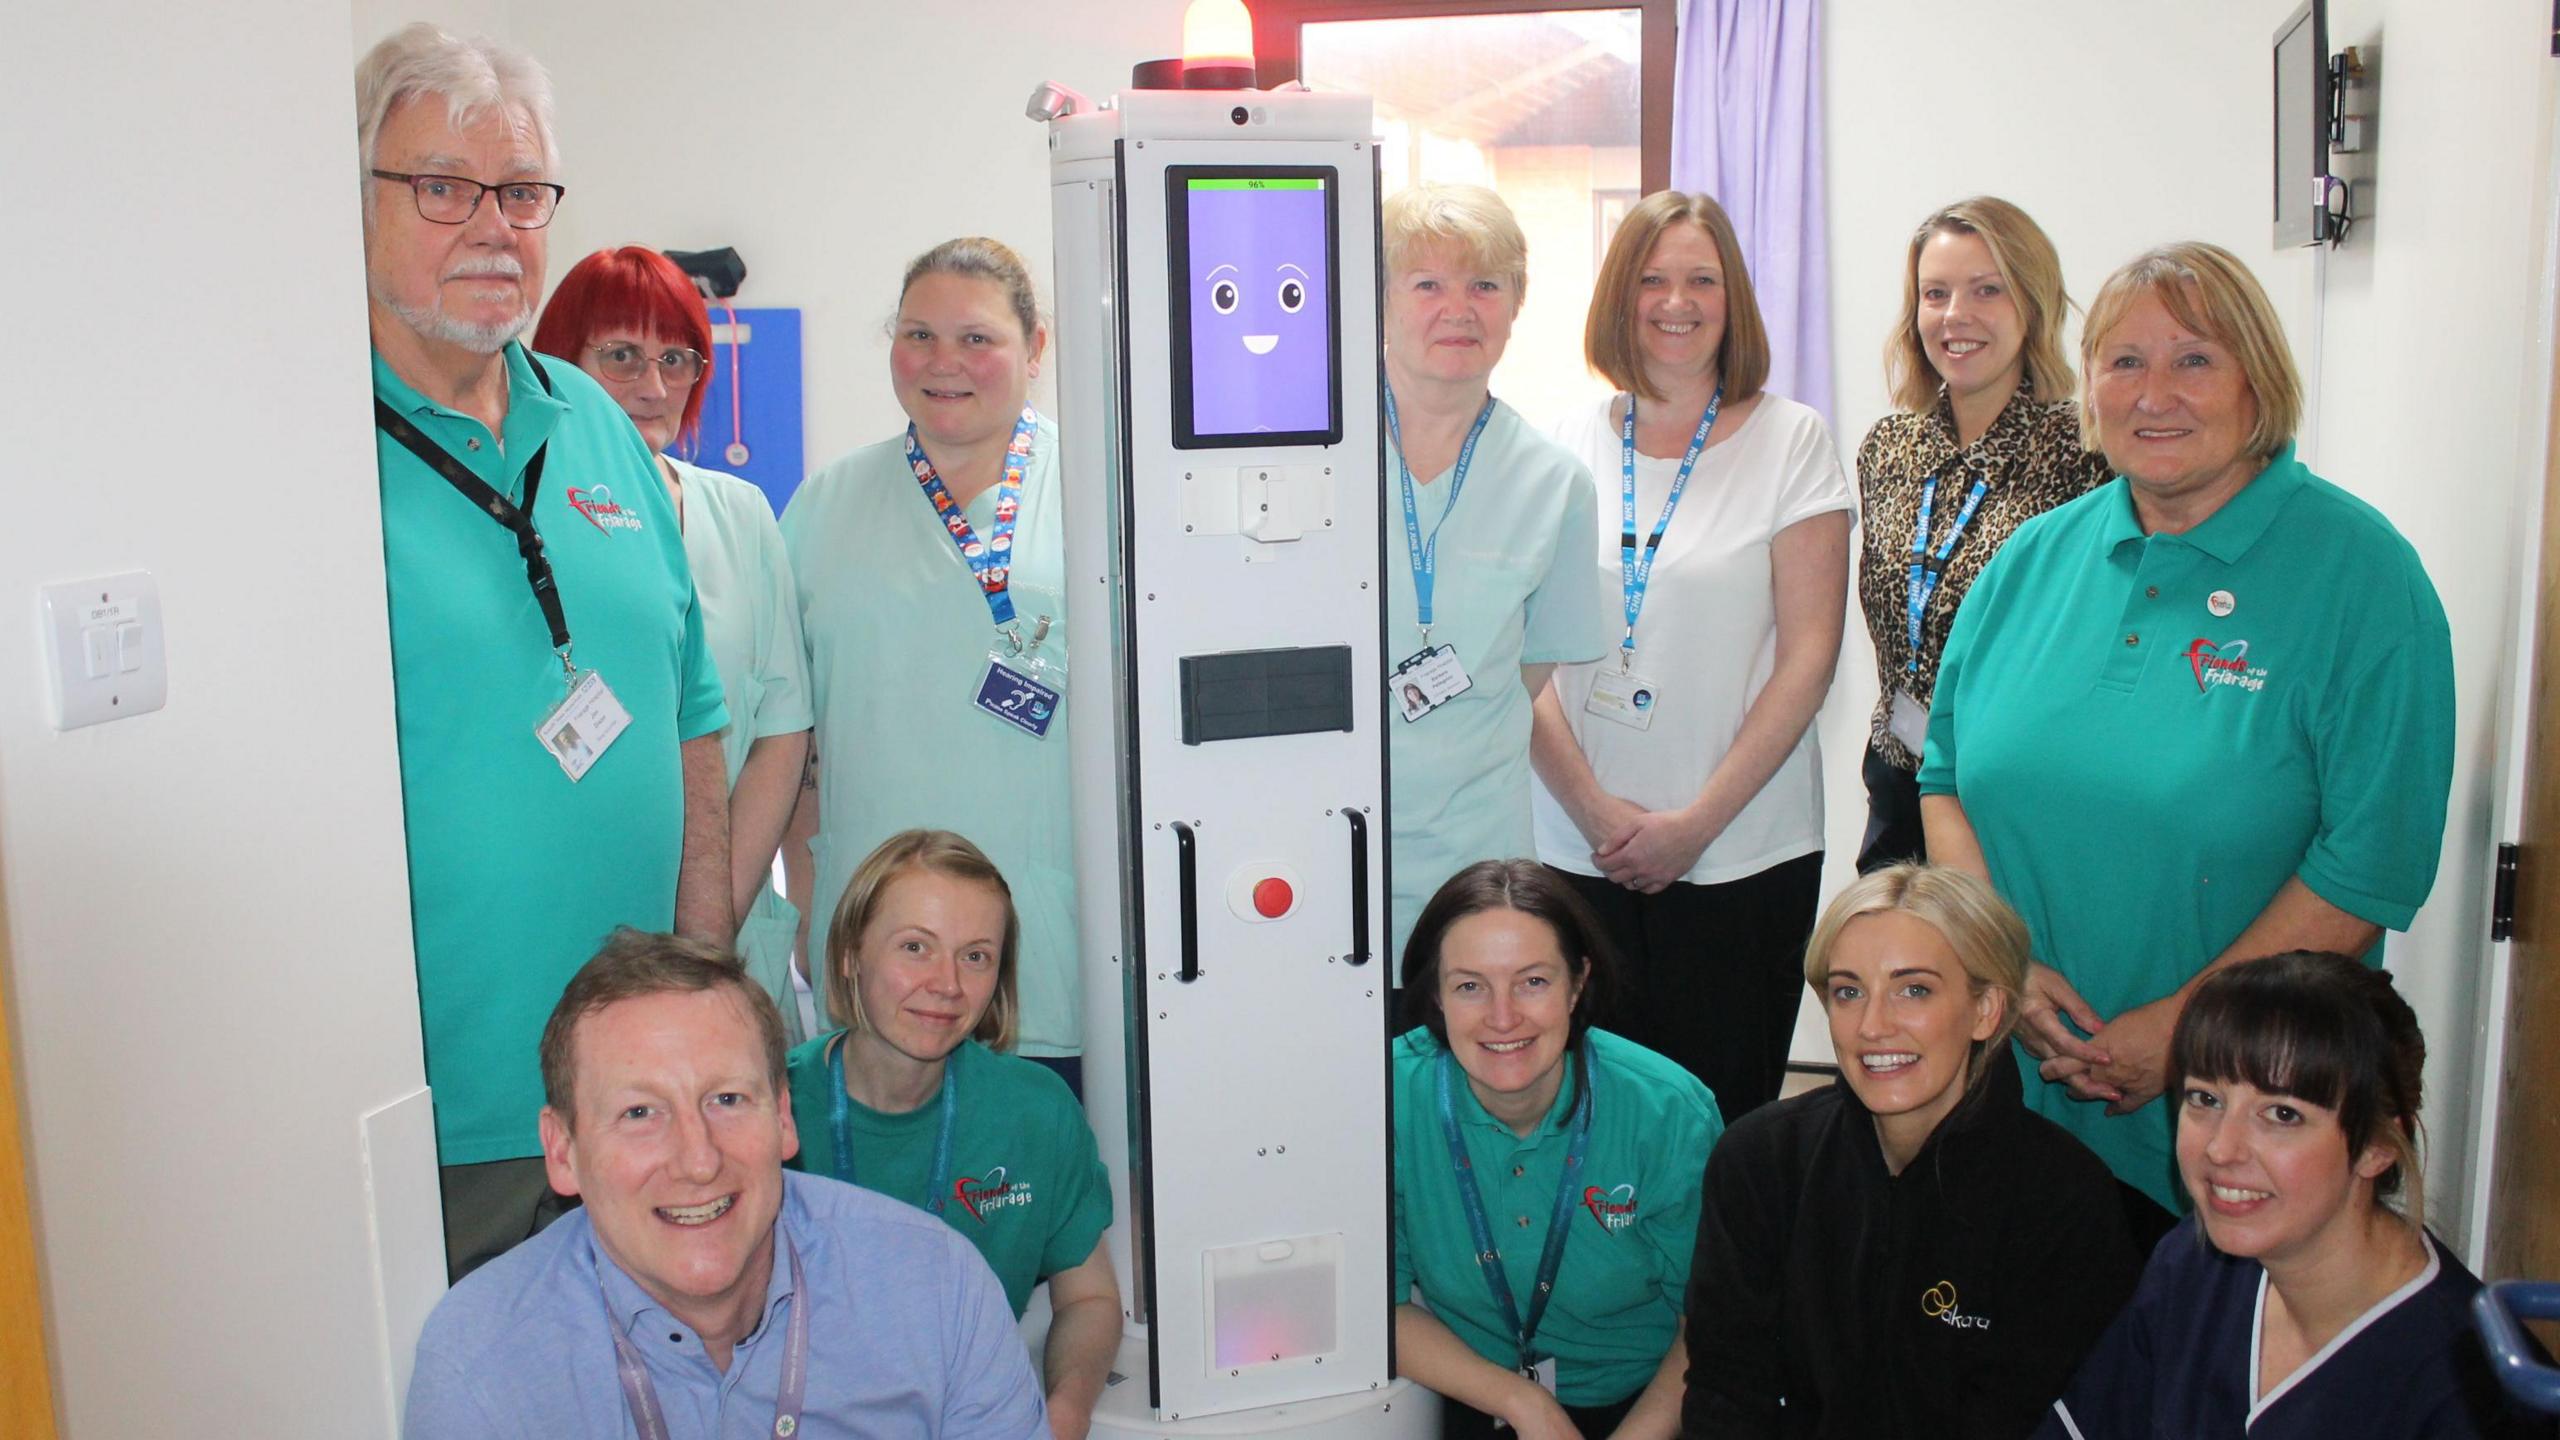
<point>1468,217</point>
<point>1608,331</point>
<point>976,257</point>
<point>2208,291</point>
<point>942,853</point>
<point>2027,264</point>
<point>1988,938</point>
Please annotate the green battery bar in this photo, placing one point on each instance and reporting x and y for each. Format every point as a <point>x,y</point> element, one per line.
<point>1241,183</point>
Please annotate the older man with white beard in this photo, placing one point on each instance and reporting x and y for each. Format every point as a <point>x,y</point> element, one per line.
<point>559,713</point>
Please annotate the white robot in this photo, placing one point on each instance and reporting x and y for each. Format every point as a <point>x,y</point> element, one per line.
<point>1217,298</point>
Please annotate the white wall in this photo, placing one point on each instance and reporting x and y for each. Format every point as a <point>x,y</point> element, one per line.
<point>2120,127</point>
<point>207,907</point>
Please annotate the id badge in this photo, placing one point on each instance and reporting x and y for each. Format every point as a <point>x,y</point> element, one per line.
<point>1618,695</point>
<point>1427,680</point>
<point>1543,1375</point>
<point>581,728</point>
<point>1022,692</point>
<point>1908,722</point>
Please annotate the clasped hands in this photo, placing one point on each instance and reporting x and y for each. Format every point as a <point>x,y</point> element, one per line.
<point>1639,849</point>
<point>2123,1063</point>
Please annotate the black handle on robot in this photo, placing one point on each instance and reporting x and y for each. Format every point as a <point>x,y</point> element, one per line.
<point>1188,848</point>
<point>1359,886</point>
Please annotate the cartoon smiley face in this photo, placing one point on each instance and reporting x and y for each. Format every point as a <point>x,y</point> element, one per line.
<point>1260,342</point>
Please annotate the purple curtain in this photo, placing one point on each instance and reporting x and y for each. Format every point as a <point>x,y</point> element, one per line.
<point>1746,127</point>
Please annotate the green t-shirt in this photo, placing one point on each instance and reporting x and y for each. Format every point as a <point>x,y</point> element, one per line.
<point>898,634</point>
<point>1513,585</point>
<point>2151,734</point>
<point>1623,1280</point>
<point>516,874</point>
<point>1027,1183</point>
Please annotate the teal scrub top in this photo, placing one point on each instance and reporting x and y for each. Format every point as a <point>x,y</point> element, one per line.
<point>899,635</point>
<point>1027,1183</point>
<point>1513,586</point>
<point>751,618</point>
<point>2151,734</point>
<point>1623,1282</point>
<point>517,874</point>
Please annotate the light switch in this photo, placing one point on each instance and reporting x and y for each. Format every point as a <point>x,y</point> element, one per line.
<point>103,648</point>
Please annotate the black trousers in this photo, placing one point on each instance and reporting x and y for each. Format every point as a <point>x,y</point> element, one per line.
<point>1893,815</point>
<point>1713,975</point>
<point>1596,1422</point>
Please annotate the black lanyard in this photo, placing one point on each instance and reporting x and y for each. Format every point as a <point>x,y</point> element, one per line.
<point>518,519</point>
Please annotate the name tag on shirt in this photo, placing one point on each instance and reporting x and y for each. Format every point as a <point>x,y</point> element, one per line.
<point>1427,680</point>
<point>1017,699</point>
<point>1627,698</point>
<point>1908,722</point>
<point>581,728</point>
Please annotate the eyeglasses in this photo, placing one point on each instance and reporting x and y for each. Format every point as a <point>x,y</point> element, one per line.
<point>623,362</point>
<point>452,199</point>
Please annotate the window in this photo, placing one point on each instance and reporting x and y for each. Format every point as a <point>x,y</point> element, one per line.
<point>1563,108</point>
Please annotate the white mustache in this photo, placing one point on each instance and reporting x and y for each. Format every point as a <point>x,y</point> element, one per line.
<point>506,265</point>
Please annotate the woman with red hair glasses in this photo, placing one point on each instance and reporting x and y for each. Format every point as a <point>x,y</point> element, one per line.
<point>632,320</point>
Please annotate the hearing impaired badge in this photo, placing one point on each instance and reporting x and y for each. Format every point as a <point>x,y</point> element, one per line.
<point>2221,603</point>
<point>1427,680</point>
<point>1025,683</point>
<point>579,729</point>
<point>1908,721</point>
<point>1622,696</point>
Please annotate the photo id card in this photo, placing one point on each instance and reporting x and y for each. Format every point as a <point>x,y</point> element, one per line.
<point>579,729</point>
<point>1015,693</point>
<point>1625,697</point>
<point>1427,680</point>
<point>1908,721</point>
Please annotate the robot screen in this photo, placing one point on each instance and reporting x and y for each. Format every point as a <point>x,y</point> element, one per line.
<point>1255,325</point>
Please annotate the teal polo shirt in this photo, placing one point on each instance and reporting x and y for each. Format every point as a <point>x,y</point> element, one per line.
<point>2152,733</point>
<point>1625,1274</point>
<point>1027,1185</point>
<point>515,873</point>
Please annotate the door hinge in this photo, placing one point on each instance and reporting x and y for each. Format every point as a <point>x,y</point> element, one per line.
<point>2502,900</point>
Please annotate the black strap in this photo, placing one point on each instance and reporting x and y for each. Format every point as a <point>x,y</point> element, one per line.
<point>518,519</point>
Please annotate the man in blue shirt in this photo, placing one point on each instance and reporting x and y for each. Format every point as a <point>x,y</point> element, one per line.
<point>701,1292</point>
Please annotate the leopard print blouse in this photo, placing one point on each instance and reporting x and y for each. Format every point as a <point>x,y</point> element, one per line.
<point>2035,460</point>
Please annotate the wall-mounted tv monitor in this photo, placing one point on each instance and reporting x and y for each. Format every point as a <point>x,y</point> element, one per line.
<point>1257,332</point>
<point>2301,192</point>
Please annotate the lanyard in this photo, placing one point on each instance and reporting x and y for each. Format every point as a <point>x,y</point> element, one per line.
<point>1635,568</point>
<point>1423,553</point>
<point>640,1397</point>
<point>518,519</point>
<point>991,560</point>
<point>1558,1224</point>
<point>937,1186</point>
<point>1926,568</point>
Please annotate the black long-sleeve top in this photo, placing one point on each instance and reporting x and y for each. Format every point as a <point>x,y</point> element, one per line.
<point>1831,1298</point>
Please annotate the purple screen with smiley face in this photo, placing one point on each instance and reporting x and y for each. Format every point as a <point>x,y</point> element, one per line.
<point>1261,304</point>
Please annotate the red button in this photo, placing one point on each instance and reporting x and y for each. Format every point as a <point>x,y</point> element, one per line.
<point>1272,898</point>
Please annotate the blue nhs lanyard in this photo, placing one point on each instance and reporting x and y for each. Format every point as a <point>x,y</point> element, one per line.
<point>1488,1259</point>
<point>1635,567</point>
<point>640,1396</point>
<point>1424,554</point>
<point>937,1186</point>
<point>1926,568</point>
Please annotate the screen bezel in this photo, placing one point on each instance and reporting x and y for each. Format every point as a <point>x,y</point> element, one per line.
<point>1177,245</point>
<point>2300,220</point>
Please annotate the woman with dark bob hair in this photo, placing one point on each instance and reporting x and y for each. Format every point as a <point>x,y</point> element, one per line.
<point>1910,1251</point>
<point>2305,1296</point>
<point>1564,1156</point>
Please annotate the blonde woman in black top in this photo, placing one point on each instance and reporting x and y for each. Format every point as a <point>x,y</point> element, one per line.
<point>1986,437</point>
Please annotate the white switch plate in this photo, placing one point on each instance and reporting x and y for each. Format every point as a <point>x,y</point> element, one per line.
<point>86,612</point>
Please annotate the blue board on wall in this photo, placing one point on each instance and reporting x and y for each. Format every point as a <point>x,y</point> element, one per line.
<point>767,385</point>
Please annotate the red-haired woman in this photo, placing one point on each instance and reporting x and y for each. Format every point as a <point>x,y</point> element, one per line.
<point>632,320</point>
